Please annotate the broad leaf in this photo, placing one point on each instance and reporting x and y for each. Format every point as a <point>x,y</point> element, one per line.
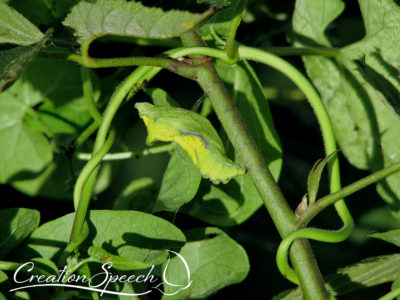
<point>131,19</point>
<point>57,180</point>
<point>16,225</point>
<point>133,196</point>
<point>238,200</point>
<point>120,263</point>
<point>15,29</point>
<point>180,182</point>
<point>54,86</point>
<point>41,12</point>
<point>194,134</point>
<point>359,98</point>
<point>391,236</point>
<point>214,261</point>
<point>131,234</point>
<point>370,272</point>
<point>24,150</point>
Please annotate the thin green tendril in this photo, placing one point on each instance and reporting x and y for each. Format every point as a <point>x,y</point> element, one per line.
<point>330,147</point>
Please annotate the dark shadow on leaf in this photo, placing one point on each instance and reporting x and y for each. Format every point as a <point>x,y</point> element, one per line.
<point>61,118</point>
<point>389,94</point>
<point>375,159</point>
<point>199,234</point>
<point>395,203</point>
<point>342,284</point>
<point>141,241</point>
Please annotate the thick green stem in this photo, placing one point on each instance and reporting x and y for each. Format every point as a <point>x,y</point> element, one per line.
<point>281,213</point>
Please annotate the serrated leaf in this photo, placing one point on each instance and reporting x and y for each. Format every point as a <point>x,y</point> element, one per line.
<point>367,130</point>
<point>129,234</point>
<point>131,19</point>
<point>17,224</point>
<point>13,61</point>
<point>214,261</point>
<point>15,29</point>
<point>239,199</point>
<point>391,236</point>
<point>367,273</point>
<point>118,262</point>
<point>194,134</point>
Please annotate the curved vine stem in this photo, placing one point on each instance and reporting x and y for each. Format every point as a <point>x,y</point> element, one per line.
<point>330,147</point>
<point>87,87</point>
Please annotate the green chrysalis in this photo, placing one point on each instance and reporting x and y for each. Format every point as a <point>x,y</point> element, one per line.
<point>194,134</point>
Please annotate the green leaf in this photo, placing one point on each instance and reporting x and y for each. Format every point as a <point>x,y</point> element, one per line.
<point>24,149</point>
<point>214,261</point>
<point>27,151</point>
<point>216,3</point>
<point>132,196</point>
<point>118,262</point>
<point>57,180</point>
<point>396,285</point>
<point>220,22</point>
<point>15,29</point>
<point>43,12</point>
<point>194,134</point>
<point>160,97</point>
<point>13,61</point>
<point>4,285</point>
<point>130,234</point>
<point>361,108</point>
<point>130,19</point>
<point>58,84</point>
<point>370,272</point>
<point>180,182</point>
<point>391,236</point>
<point>16,225</point>
<point>234,203</point>
<point>385,90</point>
